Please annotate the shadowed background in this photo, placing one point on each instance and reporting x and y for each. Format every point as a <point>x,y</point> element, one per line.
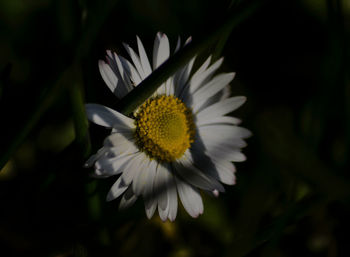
<point>292,194</point>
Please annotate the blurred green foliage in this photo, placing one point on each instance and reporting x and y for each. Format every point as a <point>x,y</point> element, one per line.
<point>292,194</point>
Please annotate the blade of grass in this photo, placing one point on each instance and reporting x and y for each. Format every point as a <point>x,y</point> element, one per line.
<point>219,47</point>
<point>221,43</point>
<point>296,157</point>
<point>245,244</point>
<point>46,99</point>
<point>92,25</point>
<point>49,93</point>
<point>82,138</point>
<point>94,20</point>
<point>146,88</point>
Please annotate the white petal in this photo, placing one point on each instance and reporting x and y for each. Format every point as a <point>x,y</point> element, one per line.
<point>222,132</point>
<point>219,169</point>
<point>107,117</point>
<point>150,179</point>
<point>212,141</point>
<point>108,75</point>
<point>197,99</point>
<point>163,214</point>
<point>150,207</point>
<point>196,177</point>
<point>172,198</point>
<point>143,57</point>
<point>190,198</point>
<point>161,50</point>
<point>128,199</point>
<point>188,40</point>
<point>118,139</point>
<point>132,168</point>
<point>182,90</point>
<point>216,193</point>
<point>218,97</point>
<point>109,54</point>
<point>221,120</point>
<point>122,149</point>
<point>136,60</point>
<point>94,157</point>
<point>116,190</point>
<point>225,93</point>
<point>149,198</point>
<point>162,90</point>
<point>140,179</point>
<point>238,157</point>
<point>122,75</point>
<point>178,44</point>
<point>166,192</point>
<point>170,86</point>
<point>188,69</point>
<point>203,75</point>
<point>161,186</point>
<point>223,153</point>
<point>202,69</point>
<point>122,81</point>
<point>131,71</point>
<point>112,166</point>
<point>221,108</point>
<point>171,209</point>
<point>181,78</point>
<point>225,170</point>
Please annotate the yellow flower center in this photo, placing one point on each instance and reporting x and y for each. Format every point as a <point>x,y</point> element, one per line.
<point>164,128</point>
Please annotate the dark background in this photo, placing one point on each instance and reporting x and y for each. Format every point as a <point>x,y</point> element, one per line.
<point>292,194</point>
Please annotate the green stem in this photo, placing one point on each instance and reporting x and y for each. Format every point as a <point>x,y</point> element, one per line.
<point>221,44</point>
<point>219,47</point>
<point>82,138</point>
<point>47,97</point>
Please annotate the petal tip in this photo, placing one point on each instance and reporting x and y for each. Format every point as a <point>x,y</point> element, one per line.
<point>109,197</point>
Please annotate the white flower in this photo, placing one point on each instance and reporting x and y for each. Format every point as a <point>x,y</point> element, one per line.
<point>177,142</point>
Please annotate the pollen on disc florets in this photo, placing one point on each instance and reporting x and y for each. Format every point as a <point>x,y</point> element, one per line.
<point>164,128</point>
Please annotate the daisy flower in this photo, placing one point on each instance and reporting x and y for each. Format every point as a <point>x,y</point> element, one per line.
<point>178,142</point>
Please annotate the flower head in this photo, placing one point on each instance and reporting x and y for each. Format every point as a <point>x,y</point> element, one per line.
<point>178,142</point>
